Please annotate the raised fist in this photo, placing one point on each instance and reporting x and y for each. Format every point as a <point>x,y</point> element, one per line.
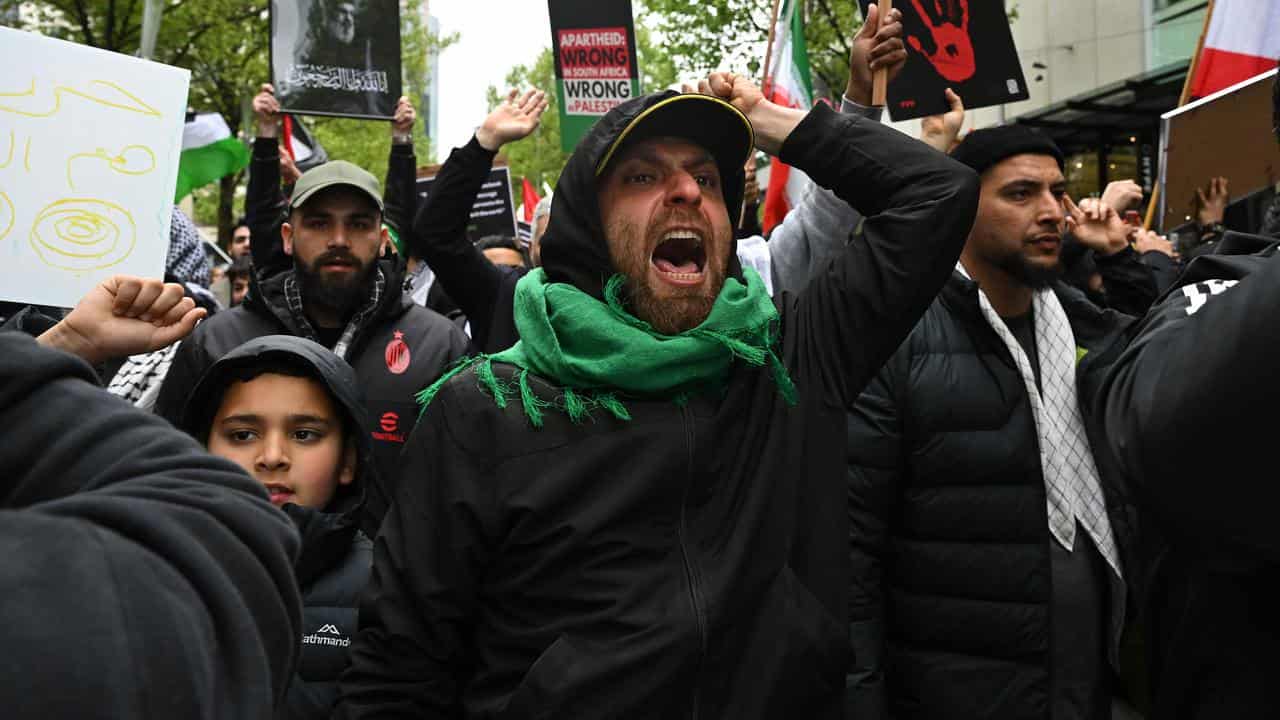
<point>952,49</point>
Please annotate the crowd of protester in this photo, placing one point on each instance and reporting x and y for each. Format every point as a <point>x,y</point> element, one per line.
<point>948,443</point>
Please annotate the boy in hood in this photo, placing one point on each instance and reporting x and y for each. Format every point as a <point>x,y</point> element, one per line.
<point>289,412</point>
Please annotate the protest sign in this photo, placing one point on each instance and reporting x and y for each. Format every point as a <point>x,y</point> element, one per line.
<point>1195,148</point>
<point>594,45</point>
<point>494,211</point>
<point>964,45</point>
<point>89,148</point>
<point>336,57</point>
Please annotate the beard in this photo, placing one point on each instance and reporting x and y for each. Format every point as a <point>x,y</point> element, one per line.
<point>336,294</point>
<point>668,309</point>
<point>1032,275</point>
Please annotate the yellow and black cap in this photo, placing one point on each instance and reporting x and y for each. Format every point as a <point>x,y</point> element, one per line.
<point>706,121</point>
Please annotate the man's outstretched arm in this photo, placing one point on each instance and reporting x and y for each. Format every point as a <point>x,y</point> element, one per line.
<point>142,576</point>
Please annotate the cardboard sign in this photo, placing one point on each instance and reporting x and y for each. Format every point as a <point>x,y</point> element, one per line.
<point>964,45</point>
<point>595,54</point>
<point>1227,134</point>
<point>89,147</point>
<point>336,57</point>
<point>494,212</point>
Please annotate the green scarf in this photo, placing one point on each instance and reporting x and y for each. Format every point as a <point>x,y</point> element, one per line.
<point>597,351</point>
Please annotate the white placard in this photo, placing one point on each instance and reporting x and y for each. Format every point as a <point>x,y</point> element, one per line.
<point>89,146</point>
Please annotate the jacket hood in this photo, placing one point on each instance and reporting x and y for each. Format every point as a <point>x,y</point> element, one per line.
<point>338,377</point>
<point>574,249</point>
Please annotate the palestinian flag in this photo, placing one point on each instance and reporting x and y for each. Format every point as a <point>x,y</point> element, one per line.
<point>1242,40</point>
<point>788,84</point>
<point>209,153</point>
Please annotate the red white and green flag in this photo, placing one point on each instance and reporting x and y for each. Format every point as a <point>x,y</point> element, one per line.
<point>788,84</point>
<point>209,153</point>
<point>1242,40</point>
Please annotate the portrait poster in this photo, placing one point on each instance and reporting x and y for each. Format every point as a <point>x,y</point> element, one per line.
<point>494,211</point>
<point>965,45</point>
<point>594,44</point>
<point>336,57</point>
<point>89,147</point>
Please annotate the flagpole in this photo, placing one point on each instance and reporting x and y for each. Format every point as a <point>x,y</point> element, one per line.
<point>880,79</point>
<point>764,82</point>
<point>1182,100</point>
<point>768,53</point>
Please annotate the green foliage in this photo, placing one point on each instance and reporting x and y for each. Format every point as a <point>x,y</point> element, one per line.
<point>539,157</point>
<point>733,34</point>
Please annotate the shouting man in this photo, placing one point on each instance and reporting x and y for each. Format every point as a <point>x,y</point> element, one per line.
<point>637,511</point>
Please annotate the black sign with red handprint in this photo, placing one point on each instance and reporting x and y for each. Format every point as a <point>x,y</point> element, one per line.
<point>964,45</point>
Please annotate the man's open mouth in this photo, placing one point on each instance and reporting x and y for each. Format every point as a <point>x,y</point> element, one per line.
<point>680,257</point>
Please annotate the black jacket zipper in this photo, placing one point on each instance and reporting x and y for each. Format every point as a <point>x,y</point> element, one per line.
<point>691,575</point>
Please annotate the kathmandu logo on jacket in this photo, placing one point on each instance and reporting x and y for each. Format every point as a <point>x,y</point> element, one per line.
<point>397,354</point>
<point>321,637</point>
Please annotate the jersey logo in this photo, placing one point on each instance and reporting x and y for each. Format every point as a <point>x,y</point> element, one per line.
<point>1199,294</point>
<point>397,354</point>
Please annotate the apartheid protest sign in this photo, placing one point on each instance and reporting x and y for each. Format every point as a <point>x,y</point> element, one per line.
<point>595,54</point>
<point>964,45</point>
<point>336,57</point>
<point>494,211</point>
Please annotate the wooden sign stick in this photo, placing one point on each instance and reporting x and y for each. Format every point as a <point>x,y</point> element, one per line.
<point>880,79</point>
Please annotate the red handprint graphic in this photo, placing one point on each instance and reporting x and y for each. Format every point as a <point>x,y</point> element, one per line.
<point>948,23</point>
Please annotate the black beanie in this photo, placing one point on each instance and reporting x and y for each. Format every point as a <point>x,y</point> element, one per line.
<point>983,148</point>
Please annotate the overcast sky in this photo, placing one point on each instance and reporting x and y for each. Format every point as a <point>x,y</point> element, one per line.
<point>495,35</point>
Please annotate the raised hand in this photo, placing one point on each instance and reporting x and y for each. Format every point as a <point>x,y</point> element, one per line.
<point>267,111</point>
<point>514,119</point>
<point>952,48</point>
<point>1150,241</point>
<point>1122,195</point>
<point>403,118</point>
<point>877,45</point>
<point>1096,225</point>
<point>942,131</point>
<point>771,122</point>
<point>1211,206</point>
<point>125,316</point>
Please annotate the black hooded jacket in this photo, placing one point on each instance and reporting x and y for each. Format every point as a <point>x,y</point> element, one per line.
<point>690,562</point>
<point>399,349</point>
<point>1177,409</point>
<point>333,567</point>
<point>141,576</point>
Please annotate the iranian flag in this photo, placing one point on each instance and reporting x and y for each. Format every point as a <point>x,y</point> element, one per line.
<point>209,153</point>
<point>1241,41</point>
<point>788,84</point>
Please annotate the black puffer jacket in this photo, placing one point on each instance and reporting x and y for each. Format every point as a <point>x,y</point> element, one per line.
<point>399,349</point>
<point>333,568</point>
<point>142,577</point>
<point>1178,409</point>
<point>690,562</point>
<point>950,601</point>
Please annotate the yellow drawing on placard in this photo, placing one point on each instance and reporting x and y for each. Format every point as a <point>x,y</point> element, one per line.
<point>143,161</point>
<point>135,104</point>
<point>6,214</point>
<point>26,156</point>
<point>83,234</point>
<point>12,144</point>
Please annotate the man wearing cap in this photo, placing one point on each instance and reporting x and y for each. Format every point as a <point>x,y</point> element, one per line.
<point>638,510</point>
<point>340,293</point>
<point>993,556</point>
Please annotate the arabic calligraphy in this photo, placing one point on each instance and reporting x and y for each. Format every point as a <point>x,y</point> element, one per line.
<point>131,160</point>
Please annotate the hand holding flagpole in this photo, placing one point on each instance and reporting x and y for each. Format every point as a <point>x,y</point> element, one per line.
<point>880,77</point>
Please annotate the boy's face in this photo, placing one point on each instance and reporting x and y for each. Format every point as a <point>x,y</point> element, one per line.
<point>286,433</point>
